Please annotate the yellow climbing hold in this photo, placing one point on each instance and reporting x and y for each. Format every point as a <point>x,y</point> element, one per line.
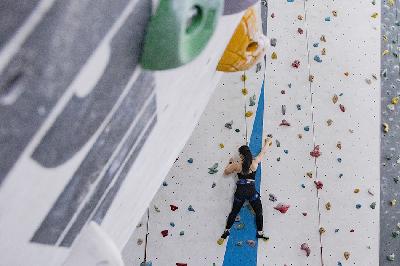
<point>393,202</point>
<point>346,255</point>
<point>244,91</point>
<point>243,77</point>
<point>246,45</point>
<point>220,241</point>
<point>274,56</point>
<point>328,206</point>
<point>334,13</point>
<point>374,15</point>
<point>385,127</point>
<point>356,190</point>
<point>385,52</point>
<point>221,145</point>
<point>323,52</point>
<point>395,100</point>
<point>321,230</point>
<point>385,38</point>
<point>391,2</point>
<point>248,114</point>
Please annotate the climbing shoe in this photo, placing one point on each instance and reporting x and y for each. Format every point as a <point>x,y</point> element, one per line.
<point>223,237</point>
<point>262,236</point>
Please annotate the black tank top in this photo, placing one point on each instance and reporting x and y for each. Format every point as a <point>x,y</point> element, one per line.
<point>251,176</point>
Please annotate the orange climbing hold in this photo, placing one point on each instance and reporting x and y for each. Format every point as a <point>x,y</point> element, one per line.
<point>246,45</point>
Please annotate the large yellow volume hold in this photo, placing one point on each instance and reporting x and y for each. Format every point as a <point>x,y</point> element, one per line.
<point>246,45</point>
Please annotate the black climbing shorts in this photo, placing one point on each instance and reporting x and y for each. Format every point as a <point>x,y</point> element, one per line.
<point>246,192</point>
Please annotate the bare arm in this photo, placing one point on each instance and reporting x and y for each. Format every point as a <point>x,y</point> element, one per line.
<point>232,167</point>
<point>260,156</point>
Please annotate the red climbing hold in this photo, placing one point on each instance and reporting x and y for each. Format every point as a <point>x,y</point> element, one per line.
<point>304,214</point>
<point>341,106</point>
<point>284,123</point>
<point>282,207</point>
<point>164,233</point>
<point>181,264</point>
<point>318,184</point>
<point>296,64</point>
<point>300,30</point>
<point>316,153</point>
<point>306,248</point>
<point>173,208</point>
<point>272,15</point>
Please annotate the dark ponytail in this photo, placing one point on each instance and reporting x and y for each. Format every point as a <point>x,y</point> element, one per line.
<point>247,158</point>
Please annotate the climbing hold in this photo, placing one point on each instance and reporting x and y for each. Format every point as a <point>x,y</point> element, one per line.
<point>318,184</point>
<point>237,218</point>
<point>385,52</point>
<point>298,106</point>
<point>146,263</point>
<point>304,213</point>
<point>252,100</point>
<point>220,241</point>
<point>371,192</point>
<point>340,175</point>
<point>316,45</point>
<point>164,233</point>
<point>311,78</point>
<point>237,130</point>
<point>235,6</point>
<point>396,179</point>
<point>229,124</point>
<point>284,123</point>
<point>300,17</point>
<point>286,151</point>
<point>339,160</point>
<point>244,91</point>
<point>258,67</point>
<point>300,30</point>
<point>391,257</point>
<point>342,108</point>
<point>190,208</point>
<point>213,185</point>
<point>178,32</point>
<point>306,248</point>
<point>240,226</point>
<point>239,243</point>
<point>395,234</point>
<point>323,52</point>
<point>190,160</point>
<point>328,19</point>
<point>346,255</point>
<point>395,100</point>
<point>334,13</point>
<point>282,207</point>
<point>246,45</point>
<point>165,184</point>
<point>300,136</point>
<point>346,74</point>
<point>329,122</point>
<point>328,206</point>
<point>316,152</point>
<point>339,263</point>
<point>391,107</point>
<point>251,243</point>
<point>321,230</point>
<point>358,206</point>
<point>356,190</point>
<point>369,81</point>
<point>296,64</point>
<point>336,230</point>
<point>317,59</point>
<point>309,174</point>
<point>221,145</point>
<point>393,202</point>
<point>213,169</point>
<point>385,127</point>
<point>181,264</point>
<point>272,197</point>
<point>139,241</point>
<point>156,208</point>
<point>172,224</point>
<point>272,15</point>
<point>283,92</point>
<point>243,77</point>
<point>273,42</point>
<point>372,205</point>
<point>289,85</point>
<point>374,15</point>
<point>322,38</point>
<point>173,207</point>
<point>181,233</point>
<point>339,145</point>
<point>307,128</point>
<point>283,108</point>
<point>248,114</point>
<point>303,186</point>
<point>278,144</point>
<point>274,56</point>
<point>335,98</point>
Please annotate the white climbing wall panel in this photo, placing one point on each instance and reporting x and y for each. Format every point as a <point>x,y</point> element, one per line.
<point>352,45</point>
<point>284,174</point>
<point>191,184</point>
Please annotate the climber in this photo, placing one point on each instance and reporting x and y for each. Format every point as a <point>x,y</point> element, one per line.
<point>245,187</point>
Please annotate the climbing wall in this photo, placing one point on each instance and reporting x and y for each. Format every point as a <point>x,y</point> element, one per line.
<point>390,139</point>
<point>321,106</point>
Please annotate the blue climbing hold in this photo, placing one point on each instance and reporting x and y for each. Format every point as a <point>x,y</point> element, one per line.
<point>306,128</point>
<point>190,160</point>
<point>190,208</point>
<point>336,230</point>
<point>172,224</point>
<point>317,59</point>
<point>339,160</point>
<point>165,183</point>
<point>303,186</point>
<point>286,151</point>
<point>358,206</point>
<point>328,19</point>
<point>316,44</point>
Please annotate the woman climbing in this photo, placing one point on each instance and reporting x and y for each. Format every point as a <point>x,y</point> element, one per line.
<point>246,169</point>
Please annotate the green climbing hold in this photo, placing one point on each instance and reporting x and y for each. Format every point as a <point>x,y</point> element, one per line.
<point>178,32</point>
<point>213,169</point>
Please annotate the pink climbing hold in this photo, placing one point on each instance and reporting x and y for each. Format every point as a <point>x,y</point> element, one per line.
<point>315,153</point>
<point>296,64</point>
<point>283,208</point>
<point>173,208</point>
<point>251,243</point>
<point>272,15</point>
<point>300,30</point>
<point>318,184</point>
<point>304,213</point>
<point>164,233</point>
<point>181,264</point>
<point>342,108</point>
<point>306,248</point>
<point>284,123</point>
